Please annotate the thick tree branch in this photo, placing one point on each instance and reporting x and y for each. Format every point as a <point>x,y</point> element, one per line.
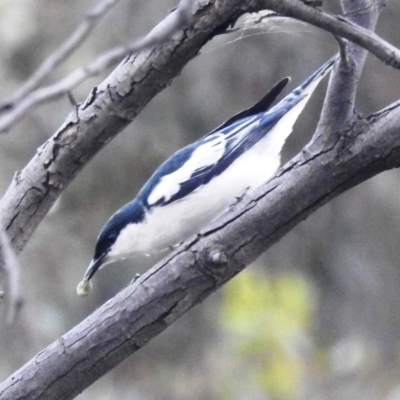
<point>362,149</point>
<point>110,107</point>
<point>116,101</point>
<point>201,265</point>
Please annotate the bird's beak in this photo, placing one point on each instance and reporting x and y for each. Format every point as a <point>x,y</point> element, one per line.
<point>94,265</point>
<point>84,286</point>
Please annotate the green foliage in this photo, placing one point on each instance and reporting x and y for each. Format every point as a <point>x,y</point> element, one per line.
<point>266,319</point>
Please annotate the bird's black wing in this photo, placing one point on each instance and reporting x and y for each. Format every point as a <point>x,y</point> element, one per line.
<point>263,105</point>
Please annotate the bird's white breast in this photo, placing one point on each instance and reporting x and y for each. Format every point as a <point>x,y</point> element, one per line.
<point>168,225</point>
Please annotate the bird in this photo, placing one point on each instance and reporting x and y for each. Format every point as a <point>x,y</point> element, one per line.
<point>202,180</point>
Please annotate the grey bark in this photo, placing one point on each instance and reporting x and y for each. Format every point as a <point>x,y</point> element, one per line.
<point>362,148</point>
<point>201,265</point>
<point>114,104</point>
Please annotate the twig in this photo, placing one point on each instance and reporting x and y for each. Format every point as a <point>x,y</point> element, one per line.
<point>336,25</point>
<point>181,16</point>
<point>61,54</point>
<point>158,35</point>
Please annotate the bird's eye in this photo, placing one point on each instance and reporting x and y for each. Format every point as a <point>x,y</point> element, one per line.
<point>105,242</point>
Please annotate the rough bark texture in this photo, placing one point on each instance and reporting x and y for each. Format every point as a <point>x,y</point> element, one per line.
<point>114,104</point>
<point>362,149</point>
<point>198,267</point>
<point>110,107</point>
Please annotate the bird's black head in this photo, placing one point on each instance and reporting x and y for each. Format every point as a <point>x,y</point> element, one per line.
<point>132,212</point>
<point>107,237</point>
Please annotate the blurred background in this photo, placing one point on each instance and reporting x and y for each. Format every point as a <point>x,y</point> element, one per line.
<point>315,317</point>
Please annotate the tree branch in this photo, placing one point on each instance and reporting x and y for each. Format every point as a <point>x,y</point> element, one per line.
<point>175,21</point>
<point>362,149</point>
<point>110,107</point>
<point>336,25</point>
<point>339,107</point>
<point>201,265</point>
<point>117,100</point>
<point>61,54</point>
<point>178,20</point>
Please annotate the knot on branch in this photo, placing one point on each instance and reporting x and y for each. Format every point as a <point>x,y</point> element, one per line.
<point>217,256</point>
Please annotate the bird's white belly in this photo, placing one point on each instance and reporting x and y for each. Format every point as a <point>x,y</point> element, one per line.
<point>173,223</point>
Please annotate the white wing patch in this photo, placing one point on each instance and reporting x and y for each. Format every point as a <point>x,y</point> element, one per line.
<point>205,155</point>
<point>237,135</point>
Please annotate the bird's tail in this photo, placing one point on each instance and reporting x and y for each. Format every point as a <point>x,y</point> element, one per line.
<point>302,93</point>
<point>286,112</point>
<point>309,85</point>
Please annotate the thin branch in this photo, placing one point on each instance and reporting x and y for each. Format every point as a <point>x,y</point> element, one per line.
<point>176,20</point>
<point>61,54</point>
<point>182,16</point>
<point>63,86</point>
<point>339,106</point>
<point>336,25</point>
